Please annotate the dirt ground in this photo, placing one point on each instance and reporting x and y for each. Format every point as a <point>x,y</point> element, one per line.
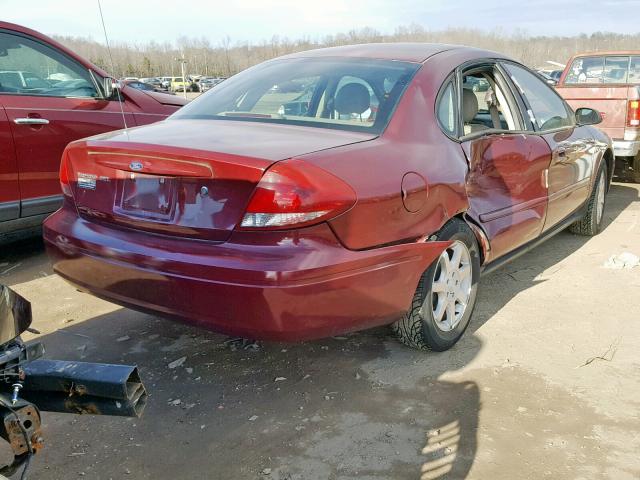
<point>544,384</point>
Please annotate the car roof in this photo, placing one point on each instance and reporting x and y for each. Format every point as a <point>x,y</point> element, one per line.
<point>607,52</point>
<point>407,52</point>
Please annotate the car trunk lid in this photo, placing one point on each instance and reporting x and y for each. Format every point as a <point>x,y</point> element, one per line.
<point>196,185</point>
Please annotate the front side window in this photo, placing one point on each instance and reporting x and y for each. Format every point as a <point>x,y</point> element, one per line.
<point>547,110</point>
<point>28,67</point>
<point>348,94</point>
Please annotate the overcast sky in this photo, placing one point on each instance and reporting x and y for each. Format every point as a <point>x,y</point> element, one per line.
<point>255,20</point>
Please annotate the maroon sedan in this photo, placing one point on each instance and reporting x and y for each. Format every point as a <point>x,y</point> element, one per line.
<point>330,191</point>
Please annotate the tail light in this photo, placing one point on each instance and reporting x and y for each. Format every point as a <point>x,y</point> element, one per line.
<point>65,176</point>
<point>294,193</point>
<point>633,113</point>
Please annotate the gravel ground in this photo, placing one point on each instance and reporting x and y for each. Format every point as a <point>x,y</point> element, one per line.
<point>544,383</point>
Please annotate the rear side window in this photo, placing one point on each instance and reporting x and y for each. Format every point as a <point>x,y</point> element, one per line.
<point>446,110</point>
<point>546,109</point>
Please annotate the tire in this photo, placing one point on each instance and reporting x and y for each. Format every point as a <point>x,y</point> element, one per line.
<point>634,171</point>
<point>419,328</point>
<point>591,223</point>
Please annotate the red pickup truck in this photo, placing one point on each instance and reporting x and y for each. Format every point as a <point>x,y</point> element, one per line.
<point>49,96</point>
<point>610,83</point>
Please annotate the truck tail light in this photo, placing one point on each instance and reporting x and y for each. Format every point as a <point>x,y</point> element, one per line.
<point>633,113</point>
<point>65,176</point>
<point>294,193</point>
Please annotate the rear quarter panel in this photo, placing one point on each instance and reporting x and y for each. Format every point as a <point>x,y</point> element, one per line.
<point>412,142</point>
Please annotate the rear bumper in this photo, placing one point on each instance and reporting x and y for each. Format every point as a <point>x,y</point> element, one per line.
<point>281,286</point>
<point>626,148</point>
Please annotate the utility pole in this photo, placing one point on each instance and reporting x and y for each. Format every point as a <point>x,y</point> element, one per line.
<point>184,78</point>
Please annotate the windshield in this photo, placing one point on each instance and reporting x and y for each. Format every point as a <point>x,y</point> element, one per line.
<point>348,94</point>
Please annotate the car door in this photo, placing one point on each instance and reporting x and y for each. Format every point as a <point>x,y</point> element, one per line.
<point>574,150</point>
<point>50,100</point>
<point>9,190</point>
<point>505,187</point>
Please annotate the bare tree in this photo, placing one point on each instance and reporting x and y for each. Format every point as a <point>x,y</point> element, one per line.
<point>228,58</point>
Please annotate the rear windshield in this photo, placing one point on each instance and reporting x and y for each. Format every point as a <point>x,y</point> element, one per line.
<point>620,69</point>
<point>348,94</point>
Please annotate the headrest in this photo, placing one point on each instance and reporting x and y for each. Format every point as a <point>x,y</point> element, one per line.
<point>352,98</point>
<point>469,105</point>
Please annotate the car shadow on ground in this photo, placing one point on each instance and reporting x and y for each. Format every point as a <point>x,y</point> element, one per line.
<point>542,262</point>
<point>23,260</point>
<point>354,406</point>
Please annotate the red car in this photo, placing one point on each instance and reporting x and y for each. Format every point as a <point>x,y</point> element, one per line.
<point>239,218</point>
<point>50,96</point>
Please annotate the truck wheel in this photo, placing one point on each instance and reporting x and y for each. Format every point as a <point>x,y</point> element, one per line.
<point>591,223</point>
<point>634,172</point>
<point>446,295</point>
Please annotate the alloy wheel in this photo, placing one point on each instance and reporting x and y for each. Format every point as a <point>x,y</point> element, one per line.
<point>451,287</point>
<point>600,192</point>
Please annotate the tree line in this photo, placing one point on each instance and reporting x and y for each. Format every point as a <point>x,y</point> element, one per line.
<point>227,57</point>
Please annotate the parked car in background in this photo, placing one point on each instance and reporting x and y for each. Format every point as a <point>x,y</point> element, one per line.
<point>555,74</point>
<point>610,83</point>
<point>547,78</point>
<point>155,81</point>
<point>476,84</point>
<point>139,85</point>
<point>49,96</point>
<point>180,84</point>
<point>165,82</point>
<point>236,217</point>
<point>208,83</point>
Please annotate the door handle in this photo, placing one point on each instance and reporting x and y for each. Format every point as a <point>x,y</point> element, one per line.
<point>31,121</point>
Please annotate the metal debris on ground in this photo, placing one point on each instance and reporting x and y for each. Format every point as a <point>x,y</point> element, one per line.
<point>235,343</point>
<point>606,356</point>
<point>177,363</point>
<point>12,267</point>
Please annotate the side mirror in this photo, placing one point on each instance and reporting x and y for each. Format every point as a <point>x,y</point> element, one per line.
<point>588,116</point>
<point>110,87</point>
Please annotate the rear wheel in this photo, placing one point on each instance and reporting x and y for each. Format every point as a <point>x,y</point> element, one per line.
<point>634,171</point>
<point>591,223</point>
<point>446,295</point>
<point>628,169</point>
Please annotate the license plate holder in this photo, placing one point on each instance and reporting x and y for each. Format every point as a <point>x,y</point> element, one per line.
<point>148,196</point>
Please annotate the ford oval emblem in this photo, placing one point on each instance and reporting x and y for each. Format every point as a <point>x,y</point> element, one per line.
<point>135,166</point>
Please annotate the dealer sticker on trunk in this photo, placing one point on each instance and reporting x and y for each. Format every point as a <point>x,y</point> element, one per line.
<point>87,181</point>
